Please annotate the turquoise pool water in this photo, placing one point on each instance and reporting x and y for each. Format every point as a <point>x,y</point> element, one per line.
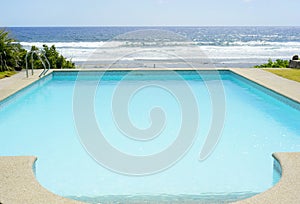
<point>40,121</point>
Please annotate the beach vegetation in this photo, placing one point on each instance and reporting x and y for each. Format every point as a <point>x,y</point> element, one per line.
<point>56,60</point>
<point>13,56</point>
<point>279,63</point>
<point>11,52</point>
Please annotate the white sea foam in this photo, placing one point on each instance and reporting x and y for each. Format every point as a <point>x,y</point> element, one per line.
<point>240,52</point>
<point>79,45</point>
<point>115,44</point>
<point>264,43</point>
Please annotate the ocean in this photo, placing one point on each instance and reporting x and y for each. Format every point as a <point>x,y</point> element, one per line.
<point>140,47</point>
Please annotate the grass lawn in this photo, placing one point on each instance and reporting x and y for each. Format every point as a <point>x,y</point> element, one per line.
<point>6,74</point>
<point>293,74</point>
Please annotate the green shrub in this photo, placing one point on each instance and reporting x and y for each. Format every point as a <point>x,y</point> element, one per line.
<point>279,63</point>
<point>56,60</point>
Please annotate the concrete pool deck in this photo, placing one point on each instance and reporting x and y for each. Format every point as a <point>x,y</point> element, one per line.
<point>19,185</point>
<point>11,85</point>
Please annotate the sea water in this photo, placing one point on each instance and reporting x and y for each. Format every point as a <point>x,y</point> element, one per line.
<point>199,46</point>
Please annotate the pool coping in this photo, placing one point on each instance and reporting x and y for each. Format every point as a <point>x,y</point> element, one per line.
<point>19,185</point>
<point>15,83</point>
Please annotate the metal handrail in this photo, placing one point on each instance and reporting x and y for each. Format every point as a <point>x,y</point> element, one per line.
<point>37,52</point>
<point>44,72</point>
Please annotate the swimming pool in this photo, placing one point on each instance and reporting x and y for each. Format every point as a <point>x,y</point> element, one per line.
<point>40,121</point>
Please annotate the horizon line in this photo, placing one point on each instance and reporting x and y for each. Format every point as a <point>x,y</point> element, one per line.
<point>74,26</point>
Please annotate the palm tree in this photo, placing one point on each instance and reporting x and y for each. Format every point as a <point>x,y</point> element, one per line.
<point>9,52</point>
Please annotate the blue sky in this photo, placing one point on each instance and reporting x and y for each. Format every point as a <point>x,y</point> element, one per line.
<point>149,12</point>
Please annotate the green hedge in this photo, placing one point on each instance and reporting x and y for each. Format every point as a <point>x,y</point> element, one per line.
<point>279,63</point>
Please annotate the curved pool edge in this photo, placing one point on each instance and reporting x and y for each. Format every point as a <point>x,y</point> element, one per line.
<point>288,188</point>
<point>19,185</point>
